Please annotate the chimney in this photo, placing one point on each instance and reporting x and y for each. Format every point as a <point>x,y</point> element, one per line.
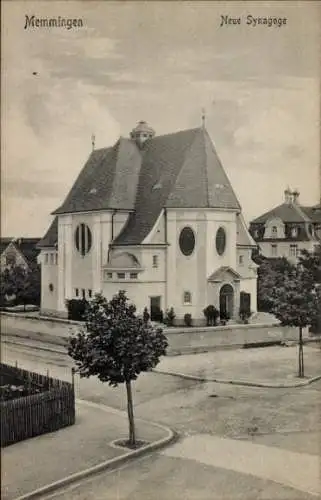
<point>287,196</point>
<point>295,196</point>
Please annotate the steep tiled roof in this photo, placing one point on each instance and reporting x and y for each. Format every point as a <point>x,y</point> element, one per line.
<point>314,213</point>
<point>287,212</point>
<point>50,239</point>
<point>243,237</point>
<point>108,180</point>
<point>179,170</point>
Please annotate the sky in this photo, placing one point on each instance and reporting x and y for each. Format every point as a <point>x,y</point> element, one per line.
<point>161,62</point>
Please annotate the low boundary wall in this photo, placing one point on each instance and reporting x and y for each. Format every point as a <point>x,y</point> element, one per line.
<point>181,340</point>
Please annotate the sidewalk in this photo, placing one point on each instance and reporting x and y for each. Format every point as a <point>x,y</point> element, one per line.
<point>37,462</point>
<point>270,366</point>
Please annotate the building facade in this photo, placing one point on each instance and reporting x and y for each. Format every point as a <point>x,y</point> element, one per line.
<point>288,228</point>
<point>155,216</point>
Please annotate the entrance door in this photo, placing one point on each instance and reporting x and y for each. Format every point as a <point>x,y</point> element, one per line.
<point>155,308</point>
<point>227,301</point>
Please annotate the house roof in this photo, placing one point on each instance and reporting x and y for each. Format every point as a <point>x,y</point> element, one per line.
<point>243,237</point>
<point>27,247</point>
<point>287,212</point>
<point>314,213</point>
<point>51,237</point>
<point>179,170</point>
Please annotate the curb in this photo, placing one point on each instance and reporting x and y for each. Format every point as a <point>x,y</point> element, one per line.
<point>240,382</point>
<point>108,464</point>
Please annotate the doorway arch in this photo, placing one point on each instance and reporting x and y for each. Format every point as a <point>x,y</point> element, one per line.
<point>227,300</point>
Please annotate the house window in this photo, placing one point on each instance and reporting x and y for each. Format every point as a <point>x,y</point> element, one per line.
<point>11,259</point>
<point>83,293</point>
<point>109,276</point>
<point>133,276</point>
<point>90,292</point>
<point>241,260</point>
<point>274,250</point>
<point>83,239</point>
<point>187,298</point>
<point>294,232</point>
<point>77,292</point>
<point>256,233</point>
<point>274,231</point>
<point>121,276</point>
<point>293,250</point>
<point>46,258</point>
<point>52,258</point>
<point>155,260</point>
<point>56,258</point>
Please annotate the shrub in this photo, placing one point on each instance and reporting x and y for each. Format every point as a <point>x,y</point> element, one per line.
<point>169,317</point>
<point>146,315</point>
<point>211,314</point>
<point>188,319</point>
<point>77,309</point>
<point>224,318</point>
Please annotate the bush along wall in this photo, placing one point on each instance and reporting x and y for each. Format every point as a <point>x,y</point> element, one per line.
<point>76,309</point>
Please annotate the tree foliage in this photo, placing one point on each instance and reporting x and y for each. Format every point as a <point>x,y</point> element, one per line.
<point>116,345</point>
<point>23,284</point>
<point>271,274</point>
<point>295,303</point>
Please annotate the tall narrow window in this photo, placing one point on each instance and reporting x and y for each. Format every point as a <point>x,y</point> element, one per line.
<point>83,239</point>
<point>77,292</point>
<point>90,293</point>
<point>241,260</point>
<point>274,231</point>
<point>293,250</point>
<point>83,293</point>
<point>155,260</point>
<point>274,250</point>
<point>46,258</point>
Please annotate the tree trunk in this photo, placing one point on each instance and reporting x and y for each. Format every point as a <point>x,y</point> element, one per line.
<point>130,411</point>
<point>301,361</point>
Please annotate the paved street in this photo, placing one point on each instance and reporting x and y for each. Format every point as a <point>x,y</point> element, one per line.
<point>282,426</point>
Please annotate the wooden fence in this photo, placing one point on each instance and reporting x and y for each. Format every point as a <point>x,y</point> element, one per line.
<point>30,416</point>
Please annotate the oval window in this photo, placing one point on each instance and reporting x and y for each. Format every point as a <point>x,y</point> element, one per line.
<point>83,239</point>
<point>187,241</point>
<point>220,241</point>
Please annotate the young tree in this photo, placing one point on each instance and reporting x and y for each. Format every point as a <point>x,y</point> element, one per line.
<point>295,303</point>
<point>116,346</point>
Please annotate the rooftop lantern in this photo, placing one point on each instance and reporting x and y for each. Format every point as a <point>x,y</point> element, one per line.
<point>141,133</point>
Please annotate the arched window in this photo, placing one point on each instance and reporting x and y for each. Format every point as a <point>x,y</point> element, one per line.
<point>220,240</point>
<point>187,241</point>
<point>83,239</point>
<point>274,231</point>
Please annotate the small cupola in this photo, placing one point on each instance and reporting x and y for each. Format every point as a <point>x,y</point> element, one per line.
<point>141,133</point>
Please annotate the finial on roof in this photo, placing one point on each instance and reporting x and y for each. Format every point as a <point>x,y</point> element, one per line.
<point>203,117</point>
<point>141,133</point>
<point>93,140</point>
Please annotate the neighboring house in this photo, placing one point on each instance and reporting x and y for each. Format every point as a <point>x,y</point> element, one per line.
<point>155,216</point>
<point>18,252</point>
<point>288,228</point>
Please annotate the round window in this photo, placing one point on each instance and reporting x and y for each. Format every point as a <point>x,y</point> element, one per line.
<point>220,241</point>
<point>83,239</point>
<point>187,241</point>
